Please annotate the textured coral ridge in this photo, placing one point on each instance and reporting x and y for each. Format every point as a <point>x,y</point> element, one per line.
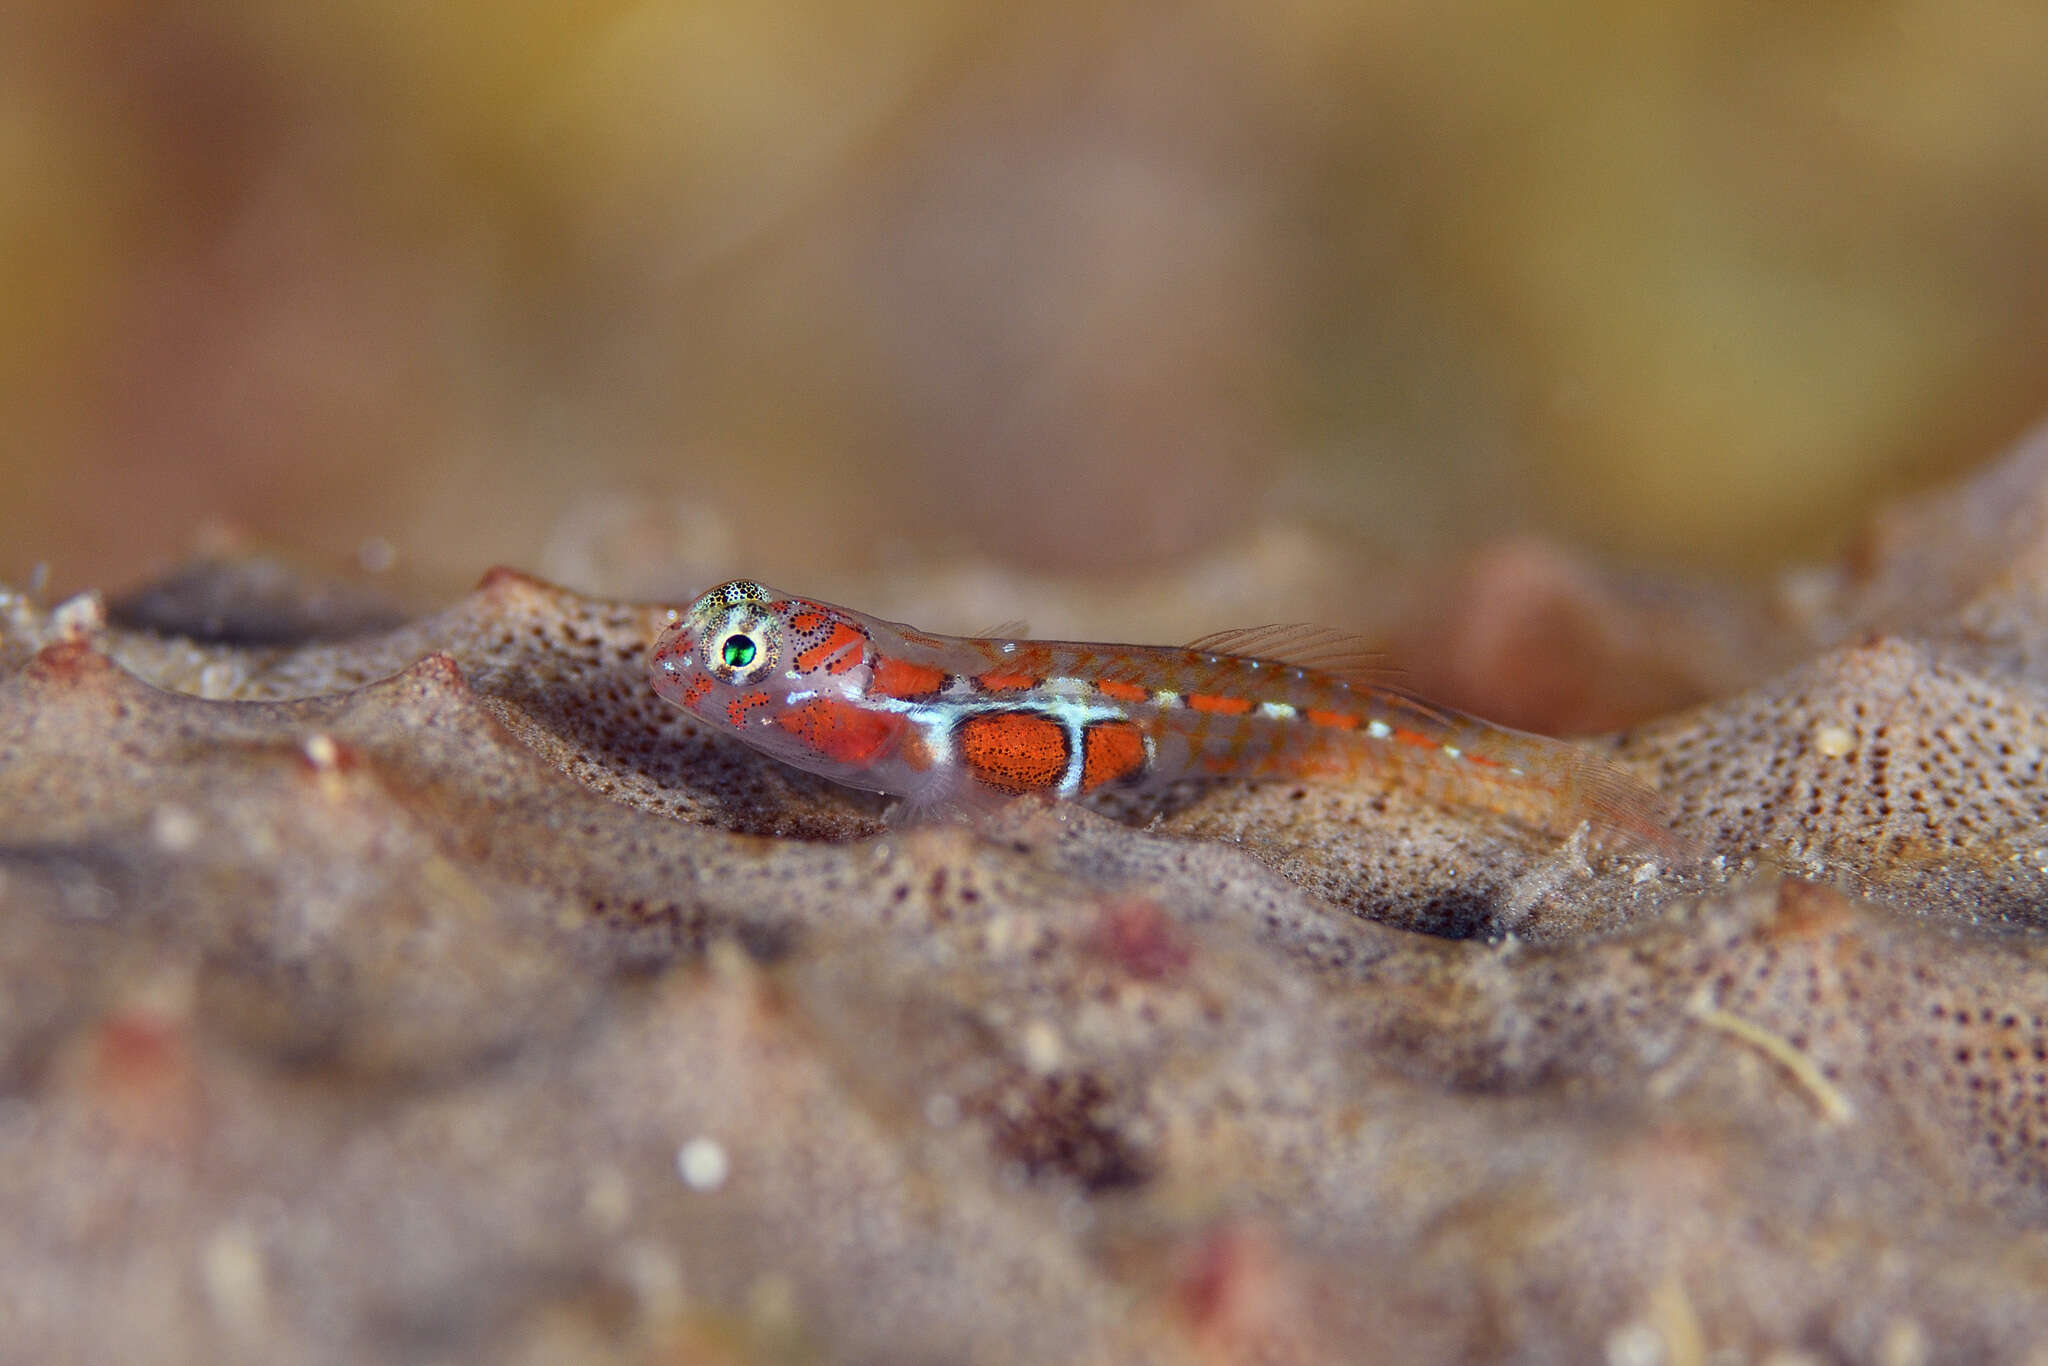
<point>438,993</point>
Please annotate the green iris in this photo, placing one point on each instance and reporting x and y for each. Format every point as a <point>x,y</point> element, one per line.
<point>738,652</point>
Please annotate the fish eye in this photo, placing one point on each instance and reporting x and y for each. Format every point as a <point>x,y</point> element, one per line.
<point>739,653</point>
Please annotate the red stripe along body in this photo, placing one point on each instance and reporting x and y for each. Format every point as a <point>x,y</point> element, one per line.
<point>943,720</point>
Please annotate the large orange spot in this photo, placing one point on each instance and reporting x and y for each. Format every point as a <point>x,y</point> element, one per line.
<point>1120,690</point>
<point>894,677</point>
<point>1340,720</point>
<point>1110,750</point>
<point>1014,751</point>
<point>1216,702</point>
<point>839,730</point>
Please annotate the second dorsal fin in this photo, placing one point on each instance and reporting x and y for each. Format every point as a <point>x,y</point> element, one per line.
<point>1016,628</point>
<point>1324,648</point>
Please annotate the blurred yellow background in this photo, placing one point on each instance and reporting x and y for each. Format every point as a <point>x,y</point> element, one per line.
<point>791,284</point>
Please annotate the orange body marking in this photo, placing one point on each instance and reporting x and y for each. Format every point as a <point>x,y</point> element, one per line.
<point>895,677</point>
<point>1014,751</point>
<point>840,730</point>
<point>996,681</point>
<point>1111,751</point>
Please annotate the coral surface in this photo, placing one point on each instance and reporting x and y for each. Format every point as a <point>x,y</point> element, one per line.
<point>430,990</point>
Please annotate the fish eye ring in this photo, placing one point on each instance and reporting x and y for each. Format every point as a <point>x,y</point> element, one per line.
<point>739,654</point>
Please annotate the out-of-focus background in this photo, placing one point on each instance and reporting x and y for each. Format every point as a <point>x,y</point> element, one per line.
<point>789,285</point>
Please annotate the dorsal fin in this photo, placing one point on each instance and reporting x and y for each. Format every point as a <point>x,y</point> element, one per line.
<point>1323,648</point>
<point>1016,628</point>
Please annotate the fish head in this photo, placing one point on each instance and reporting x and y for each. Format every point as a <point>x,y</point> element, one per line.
<point>742,657</point>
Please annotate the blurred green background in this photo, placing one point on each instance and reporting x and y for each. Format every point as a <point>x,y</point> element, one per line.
<point>797,283</point>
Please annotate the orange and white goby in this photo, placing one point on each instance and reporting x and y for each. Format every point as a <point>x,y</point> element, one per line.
<point>948,722</point>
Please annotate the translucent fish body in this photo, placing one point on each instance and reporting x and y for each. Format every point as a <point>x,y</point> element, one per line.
<point>950,721</point>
